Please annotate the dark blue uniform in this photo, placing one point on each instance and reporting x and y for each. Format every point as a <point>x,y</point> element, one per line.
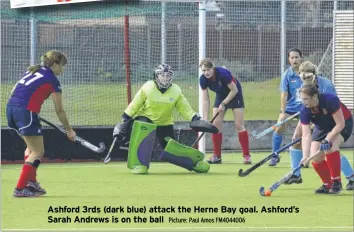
<point>27,98</point>
<point>322,117</point>
<point>219,86</point>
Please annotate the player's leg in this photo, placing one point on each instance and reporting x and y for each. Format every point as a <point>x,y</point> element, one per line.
<point>27,125</point>
<point>178,154</point>
<point>277,140</point>
<point>217,138</point>
<point>347,171</point>
<point>295,157</point>
<point>345,166</point>
<point>141,143</point>
<point>333,162</point>
<point>242,134</point>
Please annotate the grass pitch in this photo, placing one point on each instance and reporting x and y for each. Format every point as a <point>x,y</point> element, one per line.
<point>95,185</point>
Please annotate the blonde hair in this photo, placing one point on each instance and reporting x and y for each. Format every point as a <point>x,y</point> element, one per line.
<point>308,67</point>
<point>207,62</point>
<point>48,59</point>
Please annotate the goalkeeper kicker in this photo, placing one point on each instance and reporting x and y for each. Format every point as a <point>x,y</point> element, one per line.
<point>149,115</point>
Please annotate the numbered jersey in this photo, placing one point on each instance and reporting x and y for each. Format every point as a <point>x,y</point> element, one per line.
<point>33,89</point>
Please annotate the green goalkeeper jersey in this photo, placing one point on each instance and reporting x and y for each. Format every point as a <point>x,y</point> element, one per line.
<point>157,106</point>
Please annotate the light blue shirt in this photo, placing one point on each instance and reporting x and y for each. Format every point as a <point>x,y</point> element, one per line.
<point>325,85</point>
<point>291,83</point>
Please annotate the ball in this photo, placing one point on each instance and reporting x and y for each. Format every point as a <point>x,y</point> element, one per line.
<point>268,193</point>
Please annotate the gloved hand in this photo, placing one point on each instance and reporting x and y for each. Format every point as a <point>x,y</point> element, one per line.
<point>196,117</point>
<point>121,130</point>
<point>325,145</point>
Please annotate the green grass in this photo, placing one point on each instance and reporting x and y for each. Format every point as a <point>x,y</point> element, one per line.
<point>99,185</point>
<point>102,104</point>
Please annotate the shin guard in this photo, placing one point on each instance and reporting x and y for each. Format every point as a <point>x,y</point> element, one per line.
<point>184,156</point>
<point>141,144</point>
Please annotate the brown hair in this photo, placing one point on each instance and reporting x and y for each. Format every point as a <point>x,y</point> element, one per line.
<point>48,59</point>
<point>310,89</point>
<point>309,67</point>
<point>207,62</point>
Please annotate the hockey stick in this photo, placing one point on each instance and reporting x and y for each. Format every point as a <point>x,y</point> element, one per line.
<point>263,161</point>
<point>200,136</point>
<point>78,140</point>
<point>287,176</point>
<point>272,128</point>
<point>107,159</point>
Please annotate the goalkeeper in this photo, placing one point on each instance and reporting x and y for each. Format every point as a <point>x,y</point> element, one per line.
<point>150,114</point>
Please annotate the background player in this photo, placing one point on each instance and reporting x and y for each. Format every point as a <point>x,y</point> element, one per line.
<point>228,96</point>
<point>290,102</point>
<point>154,103</point>
<point>333,126</point>
<point>22,112</point>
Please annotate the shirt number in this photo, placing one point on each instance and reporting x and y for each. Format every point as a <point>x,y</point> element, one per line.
<point>27,82</point>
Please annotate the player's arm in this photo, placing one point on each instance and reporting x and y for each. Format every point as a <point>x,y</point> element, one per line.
<point>305,119</point>
<point>59,110</point>
<point>334,108</point>
<point>184,108</point>
<point>206,103</point>
<point>284,88</point>
<point>233,91</point>
<point>136,104</point>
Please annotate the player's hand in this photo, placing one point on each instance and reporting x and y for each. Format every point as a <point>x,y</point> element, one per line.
<point>325,145</point>
<point>221,107</point>
<point>296,136</point>
<point>303,160</point>
<point>71,135</point>
<point>282,117</point>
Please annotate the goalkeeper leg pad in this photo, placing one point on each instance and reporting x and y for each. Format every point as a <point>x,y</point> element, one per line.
<point>184,156</point>
<point>140,147</point>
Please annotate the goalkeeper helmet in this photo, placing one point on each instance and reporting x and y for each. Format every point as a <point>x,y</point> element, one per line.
<point>163,76</point>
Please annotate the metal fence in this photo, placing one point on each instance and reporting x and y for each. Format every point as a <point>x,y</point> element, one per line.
<point>243,36</point>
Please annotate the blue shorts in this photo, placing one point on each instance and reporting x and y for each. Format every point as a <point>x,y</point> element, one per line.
<point>25,122</point>
<point>236,102</point>
<point>320,134</point>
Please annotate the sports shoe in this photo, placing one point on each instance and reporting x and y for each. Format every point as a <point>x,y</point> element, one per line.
<point>23,193</point>
<point>274,161</point>
<point>36,188</point>
<point>247,159</point>
<point>306,165</point>
<point>201,167</point>
<point>350,185</point>
<point>140,169</point>
<point>336,187</point>
<point>322,190</point>
<point>214,160</point>
<point>294,180</point>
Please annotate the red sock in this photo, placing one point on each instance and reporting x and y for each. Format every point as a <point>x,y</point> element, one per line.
<point>323,171</point>
<point>27,172</point>
<point>217,140</point>
<point>243,139</point>
<point>333,162</point>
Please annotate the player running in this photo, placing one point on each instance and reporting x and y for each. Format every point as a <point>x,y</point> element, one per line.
<point>228,96</point>
<point>333,126</point>
<point>150,114</point>
<point>22,111</point>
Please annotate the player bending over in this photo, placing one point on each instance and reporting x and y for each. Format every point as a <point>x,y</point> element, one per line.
<point>228,96</point>
<point>333,126</point>
<point>22,112</point>
<point>150,114</point>
<point>309,75</point>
